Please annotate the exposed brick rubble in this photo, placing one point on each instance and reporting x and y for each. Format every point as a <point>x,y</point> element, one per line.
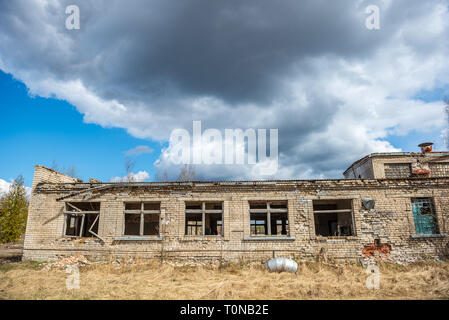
<point>75,260</point>
<point>380,251</point>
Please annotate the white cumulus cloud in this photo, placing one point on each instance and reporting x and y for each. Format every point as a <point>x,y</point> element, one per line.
<point>334,90</point>
<point>132,177</point>
<point>4,187</point>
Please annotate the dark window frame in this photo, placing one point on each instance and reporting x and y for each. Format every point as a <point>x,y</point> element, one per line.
<point>263,211</point>
<point>332,208</point>
<point>76,211</point>
<point>142,213</point>
<point>201,209</point>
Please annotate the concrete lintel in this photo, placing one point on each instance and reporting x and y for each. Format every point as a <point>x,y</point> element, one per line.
<point>137,238</point>
<point>269,238</point>
<point>426,236</point>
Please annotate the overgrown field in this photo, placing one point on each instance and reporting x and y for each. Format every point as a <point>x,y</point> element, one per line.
<point>151,280</point>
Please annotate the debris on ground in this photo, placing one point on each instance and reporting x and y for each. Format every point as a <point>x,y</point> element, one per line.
<point>127,262</point>
<point>188,263</point>
<point>116,263</point>
<point>75,260</point>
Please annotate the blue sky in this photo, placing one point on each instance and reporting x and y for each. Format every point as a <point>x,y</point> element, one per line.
<point>38,130</point>
<point>42,131</point>
<point>134,71</point>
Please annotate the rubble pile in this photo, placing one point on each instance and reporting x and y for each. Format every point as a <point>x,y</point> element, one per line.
<point>75,260</point>
<point>125,262</point>
<point>188,263</point>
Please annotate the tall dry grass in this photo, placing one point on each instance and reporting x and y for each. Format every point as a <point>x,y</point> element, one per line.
<point>234,281</point>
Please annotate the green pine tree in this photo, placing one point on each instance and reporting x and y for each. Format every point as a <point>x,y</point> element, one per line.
<point>13,212</point>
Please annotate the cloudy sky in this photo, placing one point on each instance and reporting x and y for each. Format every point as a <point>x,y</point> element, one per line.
<point>114,90</point>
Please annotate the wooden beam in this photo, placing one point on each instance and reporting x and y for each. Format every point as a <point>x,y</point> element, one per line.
<point>81,212</point>
<point>333,211</point>
<point>141,224</point>
<point>71,205</point>
<point>271,210</point>
<point>151,211</point>
<point>82,225</point>
<point>90,229</point>
<point>201,211</point>
<point>268,218</point>
<point>133,211</point>
<point>203,218</point>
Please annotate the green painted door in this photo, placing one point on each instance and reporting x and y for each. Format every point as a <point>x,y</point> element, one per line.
<point>424,216</point>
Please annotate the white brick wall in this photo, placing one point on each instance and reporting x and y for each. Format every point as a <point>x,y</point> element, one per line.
<point>391,221</point>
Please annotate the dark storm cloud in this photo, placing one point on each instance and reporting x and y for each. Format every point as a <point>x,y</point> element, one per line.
<point>232,64</point>
<point>234,50</point>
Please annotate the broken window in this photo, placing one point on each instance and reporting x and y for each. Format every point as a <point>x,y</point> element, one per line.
<point>258,223</point>
<point>141,219</point>
<point>81,219</point>
<point>424,216</point>
<point>194,224</point>
<point>204,218</point>
<point>268,218</point>
<point>333,218</point>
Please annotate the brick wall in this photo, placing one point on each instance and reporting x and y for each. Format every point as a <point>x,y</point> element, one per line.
<point>381,166</point>
<point>391,221</point>
<point>439,169</point>
<point>397,170</point>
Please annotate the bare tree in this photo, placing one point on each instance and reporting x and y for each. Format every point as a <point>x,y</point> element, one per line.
<point>54,165</point>
<point>129,166</point>
<point>161,177</point>
<point>187,173</point>
<point>71,171</point>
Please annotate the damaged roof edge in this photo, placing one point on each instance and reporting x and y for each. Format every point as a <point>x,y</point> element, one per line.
<point>55,171</point>
<point>396,154</point>
<point>296,183</point>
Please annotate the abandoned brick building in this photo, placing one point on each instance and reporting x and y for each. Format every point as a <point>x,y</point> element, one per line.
<point>394,205</point>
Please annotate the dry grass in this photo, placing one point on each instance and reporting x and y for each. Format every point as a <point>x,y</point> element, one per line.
<point>235,281</point>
